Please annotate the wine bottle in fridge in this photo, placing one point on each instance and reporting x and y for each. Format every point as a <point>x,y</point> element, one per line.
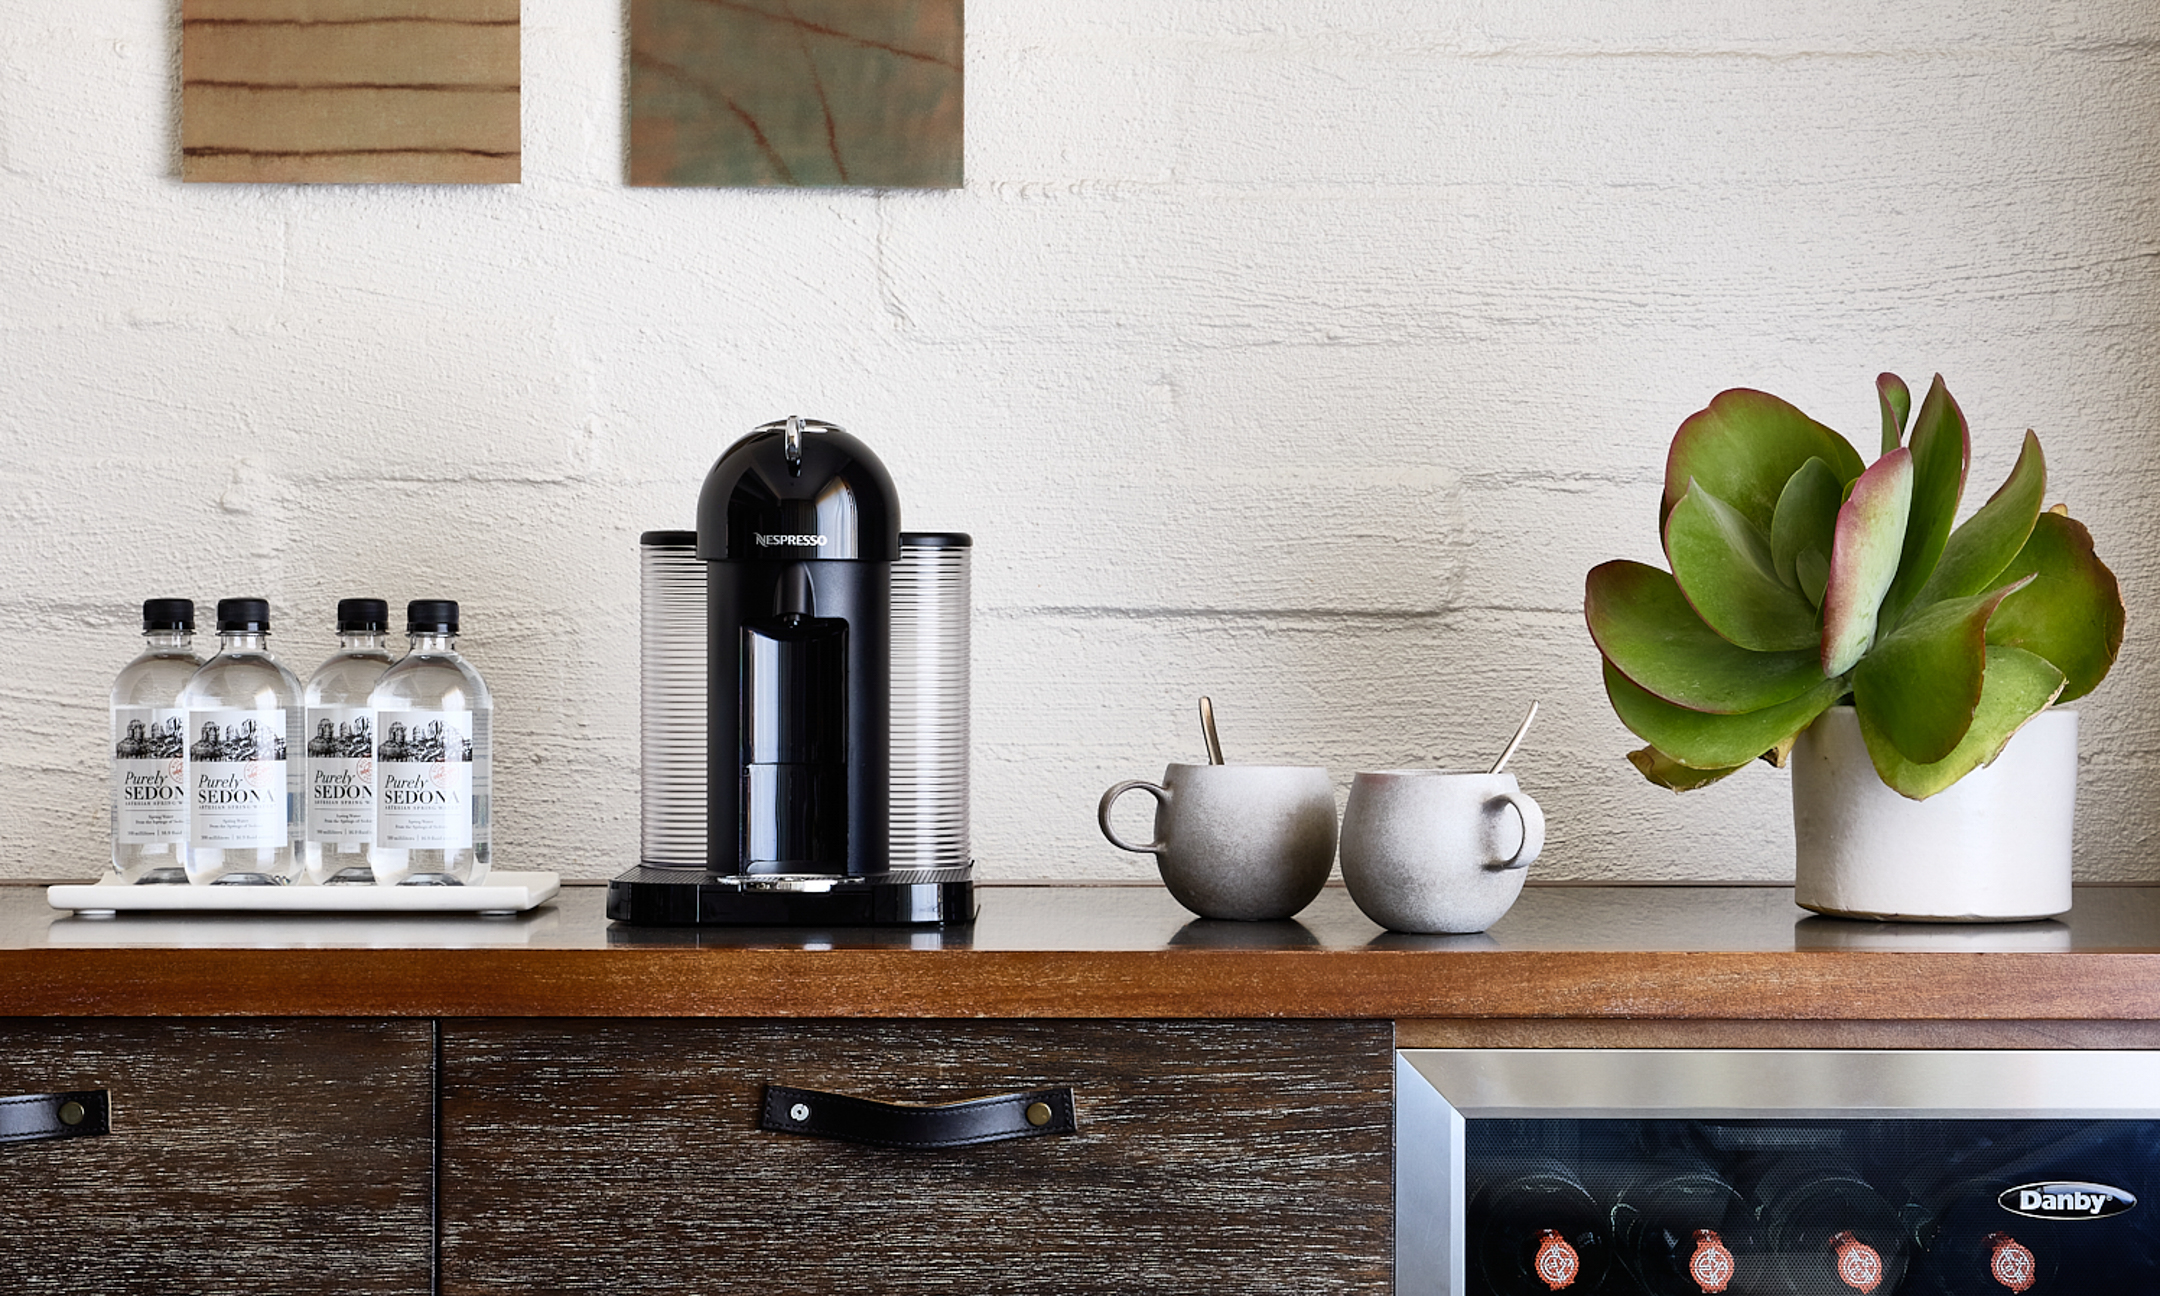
<point>1967,1245</point>
<point>1828,1232</point>
<point>1968,1240</point>
<point>1537,1232</point>
<point>1685,1231</point>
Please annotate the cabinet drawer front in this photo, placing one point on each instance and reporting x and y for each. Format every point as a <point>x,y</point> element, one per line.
<point>262,1156</point>
<point>1208,1157</point>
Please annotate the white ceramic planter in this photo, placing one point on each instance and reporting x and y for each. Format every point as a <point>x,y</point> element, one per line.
<point>1993,847</point>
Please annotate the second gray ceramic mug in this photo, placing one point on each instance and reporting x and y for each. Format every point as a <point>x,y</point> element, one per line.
<point>1252,842</point>
<point>1430,851</point>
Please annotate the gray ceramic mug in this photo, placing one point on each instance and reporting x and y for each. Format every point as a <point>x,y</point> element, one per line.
<point>1237,841</point>
<point>1430,851</point>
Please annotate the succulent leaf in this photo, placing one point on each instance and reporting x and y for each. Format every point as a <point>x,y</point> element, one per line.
<point>2018,685</point>
<point>1805,519</point>
<point>1722,562</point>
<point>1871,531</point>
<point>1813,569</point>
<point>1896,401</point>
<point>1666,772</point>
<point>1980,550</point>
<point>1744,446</point>
<point>2072,613</point>
<point>1941,450</point>
<point>1920,684</point>
<point>1703,741</point>
<point>1644,626</point>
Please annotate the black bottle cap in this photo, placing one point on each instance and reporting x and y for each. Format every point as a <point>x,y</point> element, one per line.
<point>242,615</point>
<point>362,616</point>
<point>936,540</point>
<point>431,616</point>
<point>668,539</point>
<point>168,614</point>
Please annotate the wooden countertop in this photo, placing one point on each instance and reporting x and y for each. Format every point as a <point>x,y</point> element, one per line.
<point>1700,958</point>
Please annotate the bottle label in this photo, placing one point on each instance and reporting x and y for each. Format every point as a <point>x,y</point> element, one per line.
<point>1712,1264</point>
<point>483,776</point>
<point>340,774</point>
<point>2010,1263</point>
<point>1859,1266</point>
<point>237,772</point>
<point>149,775</point>
<point>1556,1262</point>
<point>424,780</point>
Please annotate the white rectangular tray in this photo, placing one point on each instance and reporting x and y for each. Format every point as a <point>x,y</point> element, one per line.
<point>499,893</point>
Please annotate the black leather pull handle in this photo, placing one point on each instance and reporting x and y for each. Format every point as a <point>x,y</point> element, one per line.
<point>1035,1114</point>
<point>26,1118</point>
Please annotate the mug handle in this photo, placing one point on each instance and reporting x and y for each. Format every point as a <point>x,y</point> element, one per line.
<point>1102,813</point>
<point>1533,828</point>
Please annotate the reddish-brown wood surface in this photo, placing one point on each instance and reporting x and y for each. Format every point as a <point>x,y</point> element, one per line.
<point>1585,953</point>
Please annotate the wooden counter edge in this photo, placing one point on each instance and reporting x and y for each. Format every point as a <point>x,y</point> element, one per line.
<point>1496,986</point>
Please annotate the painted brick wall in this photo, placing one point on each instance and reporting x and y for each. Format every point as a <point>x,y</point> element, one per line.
<point>1303,352</point>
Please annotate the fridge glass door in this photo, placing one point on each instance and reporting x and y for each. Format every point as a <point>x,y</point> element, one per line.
<point>1531,1172</point>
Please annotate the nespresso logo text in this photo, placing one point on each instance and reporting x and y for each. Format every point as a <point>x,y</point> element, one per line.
<point>2064,1201</point>
<point>810,541</point>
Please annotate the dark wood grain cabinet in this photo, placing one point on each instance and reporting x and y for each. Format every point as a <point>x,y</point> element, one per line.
<point>586,1156</point>
<point>602,1156</point>
<point>247,1156</point>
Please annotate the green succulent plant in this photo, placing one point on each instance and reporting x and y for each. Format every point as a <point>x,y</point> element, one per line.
<point>1802,578</point>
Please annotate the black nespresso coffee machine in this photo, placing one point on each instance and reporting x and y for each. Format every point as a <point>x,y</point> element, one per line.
<point>799,531</point>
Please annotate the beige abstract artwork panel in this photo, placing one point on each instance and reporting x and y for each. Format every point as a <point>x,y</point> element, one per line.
<point>349,91</point>
<point>859,93</point>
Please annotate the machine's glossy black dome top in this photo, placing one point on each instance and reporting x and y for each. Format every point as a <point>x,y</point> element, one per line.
<point>798,489</point>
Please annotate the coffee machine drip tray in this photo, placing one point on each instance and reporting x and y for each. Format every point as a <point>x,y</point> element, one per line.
<point>673,897</point>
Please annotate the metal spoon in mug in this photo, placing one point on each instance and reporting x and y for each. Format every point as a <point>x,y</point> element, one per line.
<point>1513,743</point>
<point>1207,731</point>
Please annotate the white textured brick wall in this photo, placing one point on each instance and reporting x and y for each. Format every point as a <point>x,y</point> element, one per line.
<point>1304,352</point>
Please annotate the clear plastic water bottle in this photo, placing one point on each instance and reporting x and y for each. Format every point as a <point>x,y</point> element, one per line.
<point>433,758</point>
<point>339,781</point>
<point>242,706</point>
<point>149,792</point>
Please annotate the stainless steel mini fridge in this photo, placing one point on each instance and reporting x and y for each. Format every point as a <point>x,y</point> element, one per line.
<point>1562,1172</point>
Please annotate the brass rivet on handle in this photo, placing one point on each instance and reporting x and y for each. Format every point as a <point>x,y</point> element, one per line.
<point>1038,1114</point>
<point>72,1113</point>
